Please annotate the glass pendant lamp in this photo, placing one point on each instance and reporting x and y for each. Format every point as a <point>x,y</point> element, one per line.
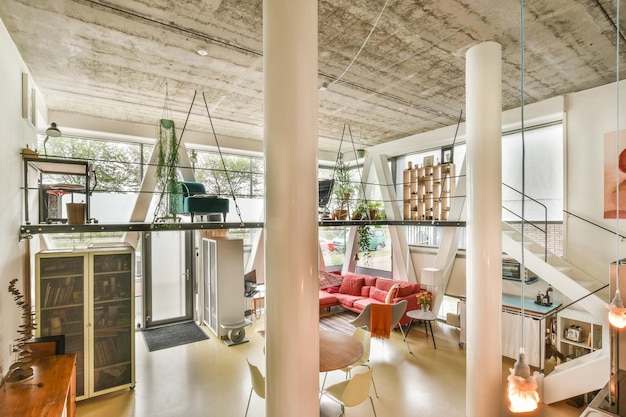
<point>522,386</point>
<point>617,312</point>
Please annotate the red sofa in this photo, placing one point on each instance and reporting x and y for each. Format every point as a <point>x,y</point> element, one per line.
<point>357,290</point>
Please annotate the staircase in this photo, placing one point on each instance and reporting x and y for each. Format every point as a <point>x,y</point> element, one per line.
<point>588,372</point>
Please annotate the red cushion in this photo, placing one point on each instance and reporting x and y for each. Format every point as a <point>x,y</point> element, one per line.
<point>378,294</point>
<point>407,288</point>
<point>365,291</point>
<point>351,285</point>
<point>384,284</point>
<point>333,289</point>
<point>370,281</point>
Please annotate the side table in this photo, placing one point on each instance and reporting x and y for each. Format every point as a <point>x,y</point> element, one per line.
<point>427,317</point>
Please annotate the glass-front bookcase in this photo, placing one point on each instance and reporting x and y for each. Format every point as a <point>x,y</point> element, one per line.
<point>88,296</point>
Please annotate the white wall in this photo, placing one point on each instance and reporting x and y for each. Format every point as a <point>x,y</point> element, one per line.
<point>590,114</point>
<point>16,133</point>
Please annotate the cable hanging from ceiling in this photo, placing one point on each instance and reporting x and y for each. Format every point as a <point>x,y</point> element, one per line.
<point>617,312</point>
<point>483,14</point>
<point>522,386</point>
<point>326,85</point>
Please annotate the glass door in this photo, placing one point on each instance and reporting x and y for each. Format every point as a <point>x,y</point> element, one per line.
<point>168,277</point>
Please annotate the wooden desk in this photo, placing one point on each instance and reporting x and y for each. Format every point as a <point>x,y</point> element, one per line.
<point>48,393</point>
<point>338,350</point>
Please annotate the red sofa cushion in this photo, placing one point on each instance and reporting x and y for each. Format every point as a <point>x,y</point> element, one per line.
<point>378,294</point>
<point>408,288</point>
<point>351,285</point>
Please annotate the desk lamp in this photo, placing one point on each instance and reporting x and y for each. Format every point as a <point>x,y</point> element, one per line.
<point>52,131</point>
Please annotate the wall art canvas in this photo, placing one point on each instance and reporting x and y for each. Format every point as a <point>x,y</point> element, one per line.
<point>614,175</point>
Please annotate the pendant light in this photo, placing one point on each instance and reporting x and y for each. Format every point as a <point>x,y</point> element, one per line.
<point>522,386</point>
<point>617,312</point>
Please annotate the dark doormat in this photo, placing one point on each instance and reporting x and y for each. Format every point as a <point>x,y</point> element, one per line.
<point>174,335</point>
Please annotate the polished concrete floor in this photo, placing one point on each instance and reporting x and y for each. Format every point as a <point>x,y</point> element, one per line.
<point>210,379</point>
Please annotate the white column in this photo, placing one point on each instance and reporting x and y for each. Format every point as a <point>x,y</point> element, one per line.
<point>291,243</point>
<point>483,83</point>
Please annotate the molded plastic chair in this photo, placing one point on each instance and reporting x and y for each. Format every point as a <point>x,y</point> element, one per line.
<point>365,338</point>
<point>258,383</point>
<point>351,392</point>
<point>397,311</point>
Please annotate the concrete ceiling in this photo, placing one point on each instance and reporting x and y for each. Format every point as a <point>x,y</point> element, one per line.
<point>112,59</point>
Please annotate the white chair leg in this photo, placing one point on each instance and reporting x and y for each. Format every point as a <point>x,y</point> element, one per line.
<point>405,339</point>
<point>248,406</point>
<point>323,383</point>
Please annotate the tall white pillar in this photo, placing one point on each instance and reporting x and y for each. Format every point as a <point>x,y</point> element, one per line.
<point>291,242</point>
<point>483,84</point>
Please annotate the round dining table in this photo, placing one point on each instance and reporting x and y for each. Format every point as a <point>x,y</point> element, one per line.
<point>338,350</point>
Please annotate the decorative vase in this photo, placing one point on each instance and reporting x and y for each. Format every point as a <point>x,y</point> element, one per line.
<point>424,307</point>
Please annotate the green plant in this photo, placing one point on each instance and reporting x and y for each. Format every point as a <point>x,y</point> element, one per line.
<point>166,166</point>
<point>343,187</point>
<point>368,210</point>
<point>364,241</point>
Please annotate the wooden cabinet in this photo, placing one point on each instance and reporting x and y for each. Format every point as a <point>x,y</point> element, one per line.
<point>87,296</point>
<point>427,191</point>
<point>578,333</point>
<point>223,287</point>
<point>50,392</point>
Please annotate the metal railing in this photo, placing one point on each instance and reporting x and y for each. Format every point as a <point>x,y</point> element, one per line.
<point>545,218</point>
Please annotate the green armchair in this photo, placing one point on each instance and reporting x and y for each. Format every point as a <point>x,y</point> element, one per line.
<point>191,198</point>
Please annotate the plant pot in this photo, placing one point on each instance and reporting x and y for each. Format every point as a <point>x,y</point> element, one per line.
<point>340,214</point>
<point>360,153</point>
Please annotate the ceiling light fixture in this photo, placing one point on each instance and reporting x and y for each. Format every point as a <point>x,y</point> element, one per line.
<point>522,387</point>
<point>202,52</point>
<point>324,87</point>
<point>617,312</point>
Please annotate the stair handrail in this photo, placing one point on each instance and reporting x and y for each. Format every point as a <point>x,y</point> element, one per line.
<point>545,218</point>
<point>595,224</point>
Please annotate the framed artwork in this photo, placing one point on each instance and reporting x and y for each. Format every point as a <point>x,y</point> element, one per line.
<point>614,175</point>
<point>27,99</point>
<point>447,153</point>
<point>429,160</point>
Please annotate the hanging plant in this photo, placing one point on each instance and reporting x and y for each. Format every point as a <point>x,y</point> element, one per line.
<point>166,169</point>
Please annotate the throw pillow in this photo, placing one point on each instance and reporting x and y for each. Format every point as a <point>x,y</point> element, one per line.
<point>407,288</point>
<point>393,293</point>
<point>351,286</point>
<point>365,291</point>
<point>333,289</point>
<point>378,294</point>
<point>328,279</point>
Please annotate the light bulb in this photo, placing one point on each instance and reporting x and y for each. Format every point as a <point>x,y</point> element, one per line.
<point>617,312</point>
<point>522,389</point>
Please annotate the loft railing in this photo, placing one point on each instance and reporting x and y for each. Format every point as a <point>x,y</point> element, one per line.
<point>545,218</point>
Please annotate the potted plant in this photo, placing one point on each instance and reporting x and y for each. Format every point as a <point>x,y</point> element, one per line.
<point>368,210</point>
<point>342,189</point>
